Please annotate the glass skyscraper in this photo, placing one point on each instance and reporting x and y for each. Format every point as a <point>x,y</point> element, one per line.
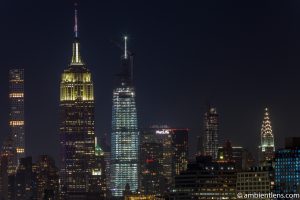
<point>125,135</point>
<point>287,167</point>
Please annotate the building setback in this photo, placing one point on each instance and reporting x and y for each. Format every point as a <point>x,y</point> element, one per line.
<point>79,167</point>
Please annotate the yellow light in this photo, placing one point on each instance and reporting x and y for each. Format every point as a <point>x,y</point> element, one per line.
<point>16,123</point>
<point>20,150</point>
<point>16,95</point>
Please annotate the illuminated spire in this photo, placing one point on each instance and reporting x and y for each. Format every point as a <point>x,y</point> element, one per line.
<point>125,47</point>
<point>266,130</point>
<point>267,138</point>
<point>76,58</point>
<point>75,21</point>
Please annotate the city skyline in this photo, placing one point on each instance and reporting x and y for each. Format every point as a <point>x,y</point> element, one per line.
<point>168,112</point>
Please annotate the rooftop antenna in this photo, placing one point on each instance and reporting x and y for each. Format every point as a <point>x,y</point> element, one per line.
<point>76,21</point>
<point>125,48</point>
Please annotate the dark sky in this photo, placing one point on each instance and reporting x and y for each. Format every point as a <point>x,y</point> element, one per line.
<point>239,55</point>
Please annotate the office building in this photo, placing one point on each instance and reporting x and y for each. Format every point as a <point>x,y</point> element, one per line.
<point>211,133</point>
<point>287,167</point>
<point>267,146</point>
<point>125,135</point>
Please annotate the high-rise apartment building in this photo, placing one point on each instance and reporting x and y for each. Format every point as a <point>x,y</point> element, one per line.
<point>16,115</point>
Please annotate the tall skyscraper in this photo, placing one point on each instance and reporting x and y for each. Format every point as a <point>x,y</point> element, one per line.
<point>125,135</point>
<point>16,115</point>
<point>267,147</point>
<point>151,168</point>
<point>77,124</point>
<point>211,132</point>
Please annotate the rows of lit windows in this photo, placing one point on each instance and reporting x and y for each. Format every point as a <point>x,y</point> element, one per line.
<point>124,141</point>
<point>16,123</point>
<point>16,95</point>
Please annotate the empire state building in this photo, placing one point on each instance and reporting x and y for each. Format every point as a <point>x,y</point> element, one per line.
<point>77,125</point>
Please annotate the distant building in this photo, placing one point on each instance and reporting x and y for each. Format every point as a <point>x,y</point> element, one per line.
<point>241,157</point>
<point>267,146</point>
<point>152,180</point>
<point>47,178</point>
<point>16,116</point>
<point>163,154</point>
<point>22,185</point>
<point>7,165</point>
<point>180,148</point>
<point>256,180</point>
<point>287,167</point>
<point>98,180</point>
<point>211,133</point>
<point>34,181</point>
<point>205,179</point>
<point>141,197</point>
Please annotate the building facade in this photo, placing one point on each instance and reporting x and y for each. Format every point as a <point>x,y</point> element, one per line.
<point>16,115</point>
<point>267,146</point>
<point>47,178</point>
<point>125,135</point>
<point>287,168</point>
<point>77,126</point>
<point>163,155</point>
<point>205,179</point>
<point>256,180</point>
<point>152,181</point>
<point>240,156</point>
<point>211,133</point>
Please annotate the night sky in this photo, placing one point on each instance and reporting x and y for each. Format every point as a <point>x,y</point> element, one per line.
<point>240,56</point>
